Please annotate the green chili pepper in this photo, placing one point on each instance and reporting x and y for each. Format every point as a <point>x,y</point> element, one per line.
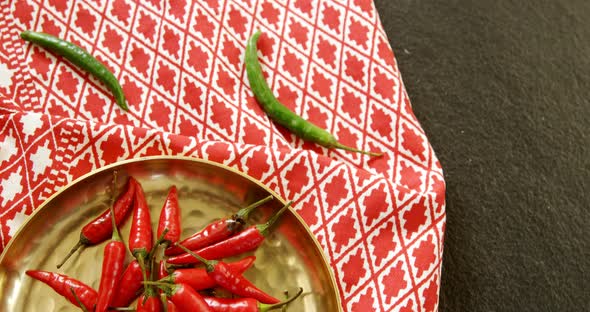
<point>281,114</point>
<point>80,58</point>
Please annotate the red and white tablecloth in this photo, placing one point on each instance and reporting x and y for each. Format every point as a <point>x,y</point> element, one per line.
<point>181,67</point>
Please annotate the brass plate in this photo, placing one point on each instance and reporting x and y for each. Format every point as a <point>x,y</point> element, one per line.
<point>290,257</point>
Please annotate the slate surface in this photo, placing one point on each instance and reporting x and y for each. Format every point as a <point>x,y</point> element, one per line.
<point>502,89</point>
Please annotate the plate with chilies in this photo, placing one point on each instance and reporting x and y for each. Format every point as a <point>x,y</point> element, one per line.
<point>288,259</point>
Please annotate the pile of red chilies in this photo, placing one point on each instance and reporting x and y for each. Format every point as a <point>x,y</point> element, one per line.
<point>170,284</point>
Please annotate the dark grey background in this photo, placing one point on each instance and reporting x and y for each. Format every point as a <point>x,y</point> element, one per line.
<point>502,89</point>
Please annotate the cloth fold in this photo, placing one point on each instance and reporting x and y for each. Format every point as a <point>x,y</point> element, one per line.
<point>181,67</point>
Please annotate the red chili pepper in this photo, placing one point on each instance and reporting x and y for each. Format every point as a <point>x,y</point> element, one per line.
<point>112,268</point>
<point>198,279</point>
<point>140,236</point>
<point>149,303</point>
<point>218,230</point>
<point>64,285</point>
<point>170,307</point>
<point>245,304</point>
<point>234,282</point>
<point>130,285</point>
<point>100,229</point>
<point>245,241</point>
<point>80,304</point>
<point>170,217</point>
<point>184,297</point>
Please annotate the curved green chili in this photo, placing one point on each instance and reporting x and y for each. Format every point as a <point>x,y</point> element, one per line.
<point>80,58</point>
<point>281,114</point>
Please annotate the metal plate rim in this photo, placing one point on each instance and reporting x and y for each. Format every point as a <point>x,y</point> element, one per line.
<point>184,158</point>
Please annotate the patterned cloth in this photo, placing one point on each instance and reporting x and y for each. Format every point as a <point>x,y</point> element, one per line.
<point>181,66</point>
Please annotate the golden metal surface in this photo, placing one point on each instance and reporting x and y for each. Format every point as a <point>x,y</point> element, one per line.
<point>289,258</point>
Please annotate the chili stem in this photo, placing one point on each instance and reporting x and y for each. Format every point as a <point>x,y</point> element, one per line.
<point>79,245</point>
<point>264,228</point>
<point>158,242</point>
<point>152,269</point>
<point>141,262</point>
<point>352,149</point>
<point>116,235</point>
<point>161,239</point>
<point>267,307</point>
<point>244,212</point>
<point>150,259</point>
<point>164,301</point>
<point>113,186</point>
<point>210,264</point>
<point>82,306</point>
<point>156,283</point>
<point>172,266</point>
